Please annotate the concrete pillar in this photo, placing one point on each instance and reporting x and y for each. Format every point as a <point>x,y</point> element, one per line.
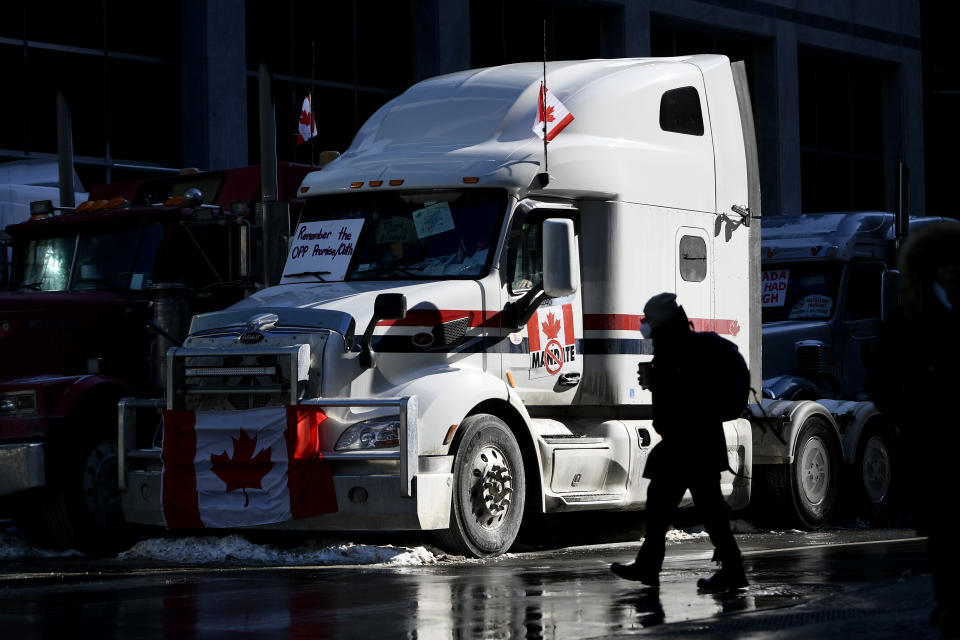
<point>441,34</point>
<point>911,130</point>
<point>788,122</point>
<point>213,84</point>
<point>636,28</point>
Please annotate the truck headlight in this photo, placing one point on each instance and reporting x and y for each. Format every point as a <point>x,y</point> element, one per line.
<point>378,433</point>
<point>18,402</point>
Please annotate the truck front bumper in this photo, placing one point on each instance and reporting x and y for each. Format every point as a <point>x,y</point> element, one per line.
<point>375,490</point>
<point>365,502</point>
<point>21,467</point>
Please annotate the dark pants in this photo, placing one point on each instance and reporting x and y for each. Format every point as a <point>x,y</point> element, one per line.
<point>664,495</point>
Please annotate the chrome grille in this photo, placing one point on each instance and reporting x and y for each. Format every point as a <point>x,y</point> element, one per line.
<point>238,379</point>
<point>812,359</point>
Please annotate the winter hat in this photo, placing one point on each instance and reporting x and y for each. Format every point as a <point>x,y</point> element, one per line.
<point>661,307</point>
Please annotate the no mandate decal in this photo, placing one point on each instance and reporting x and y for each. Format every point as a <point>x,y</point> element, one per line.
<point>552,342</point>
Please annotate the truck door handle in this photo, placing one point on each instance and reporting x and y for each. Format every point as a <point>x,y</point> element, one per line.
<point>644,437</point>
<point>569,380</point>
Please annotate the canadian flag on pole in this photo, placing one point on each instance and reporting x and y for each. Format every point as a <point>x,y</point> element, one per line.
<point>226,469</point>
<point>557,115</point>
<point>307,127</point>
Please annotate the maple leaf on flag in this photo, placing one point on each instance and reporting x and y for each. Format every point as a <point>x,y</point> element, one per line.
<point>550,108</point>
<point>243,471</point>
<point>552,326</point>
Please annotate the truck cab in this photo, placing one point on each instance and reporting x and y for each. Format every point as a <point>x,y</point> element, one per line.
<point>825,287</point>
<point>98,293</point>
<point>454,341</point>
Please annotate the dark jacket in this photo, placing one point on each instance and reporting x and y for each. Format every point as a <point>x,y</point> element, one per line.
<point>693,440</point>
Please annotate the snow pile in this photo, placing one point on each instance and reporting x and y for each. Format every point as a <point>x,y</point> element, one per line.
<point>679,535</point>
<point>236,548</point>
<point>12,547</point>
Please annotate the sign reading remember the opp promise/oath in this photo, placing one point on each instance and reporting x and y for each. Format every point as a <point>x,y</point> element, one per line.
<point>324,248</point>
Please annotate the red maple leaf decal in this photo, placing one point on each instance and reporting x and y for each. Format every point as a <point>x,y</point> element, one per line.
<point>550,117</point>
<point>552,326</point>
<point>243,471</point>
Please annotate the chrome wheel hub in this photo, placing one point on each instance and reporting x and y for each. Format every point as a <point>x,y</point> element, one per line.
<point>492,489</point>
<point>814,470</point>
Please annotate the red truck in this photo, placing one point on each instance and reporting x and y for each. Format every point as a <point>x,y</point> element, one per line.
<point>97,295</point>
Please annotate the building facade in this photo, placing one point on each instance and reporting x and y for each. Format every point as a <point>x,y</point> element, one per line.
<point>836,86</point>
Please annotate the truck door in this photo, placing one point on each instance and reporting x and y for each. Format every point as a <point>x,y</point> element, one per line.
<point>694,277</point>
<point>543,360</point>
<point>860,324</point>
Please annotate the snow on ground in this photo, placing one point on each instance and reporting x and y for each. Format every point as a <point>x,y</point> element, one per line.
<point>236,548</point>
<point>12,547</point>
<point>682,535</point>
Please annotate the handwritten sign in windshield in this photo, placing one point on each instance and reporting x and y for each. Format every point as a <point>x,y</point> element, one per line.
<point>323,248</point>
<point>774,284</point>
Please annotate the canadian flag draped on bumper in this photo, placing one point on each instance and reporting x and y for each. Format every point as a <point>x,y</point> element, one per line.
<point>226,469</point>
<point>557,115</point>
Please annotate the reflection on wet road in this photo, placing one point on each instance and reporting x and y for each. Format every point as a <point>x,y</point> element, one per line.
<point>562,594</point>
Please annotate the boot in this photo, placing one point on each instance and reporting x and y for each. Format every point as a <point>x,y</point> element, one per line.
<point>637,572</point>
<point>730,576</point>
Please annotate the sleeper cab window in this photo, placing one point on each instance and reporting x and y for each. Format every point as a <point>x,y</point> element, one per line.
<point>693,259</point>
<point>680,111</point>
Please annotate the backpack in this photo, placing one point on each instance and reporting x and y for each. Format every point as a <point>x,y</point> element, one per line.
<point>726,377</point>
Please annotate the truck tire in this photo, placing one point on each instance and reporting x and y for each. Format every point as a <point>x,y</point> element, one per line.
<point>488,489</point>
<point>873,473</point>
<point>807,489</point>
<point>80,507</point>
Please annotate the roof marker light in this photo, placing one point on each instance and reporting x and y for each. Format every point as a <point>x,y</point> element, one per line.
<point>84,206</point>
<point>98,205</point>
<point>471,180</point>
<point>376,183</point>
<point>356,185</point>
<point>396,183</point>
<point>175,201</point>
<point>304,189</point>
<point>117,203</point>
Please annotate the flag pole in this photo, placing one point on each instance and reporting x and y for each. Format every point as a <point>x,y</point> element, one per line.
<point>543,101</point>
<point>313,138</point>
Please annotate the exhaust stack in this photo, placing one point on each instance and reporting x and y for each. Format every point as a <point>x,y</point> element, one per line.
<point>272,216</point>
<point>65,152</point>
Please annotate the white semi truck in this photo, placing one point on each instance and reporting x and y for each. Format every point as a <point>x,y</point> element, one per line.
<point>456,329</point>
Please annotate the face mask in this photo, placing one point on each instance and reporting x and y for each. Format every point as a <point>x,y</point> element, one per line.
<point>645,330</point>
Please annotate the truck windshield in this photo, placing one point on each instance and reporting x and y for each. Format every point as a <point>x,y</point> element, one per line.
<point>799,291</point>
<point>413,235</point>
<point>118,259</point>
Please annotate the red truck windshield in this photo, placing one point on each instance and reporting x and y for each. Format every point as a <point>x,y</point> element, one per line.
<point>416,235</point>
<point>115,259</point>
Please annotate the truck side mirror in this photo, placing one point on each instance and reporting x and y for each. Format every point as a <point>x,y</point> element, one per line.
<point>561,262</point>
<point>387,306</point>
<point>889,292</point>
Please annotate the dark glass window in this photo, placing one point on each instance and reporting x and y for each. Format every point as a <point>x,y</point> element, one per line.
<point>693,259</point>
<point>841,133</point>
<point>680,111</point>
<point>525,248</point>
<point>863,291</point>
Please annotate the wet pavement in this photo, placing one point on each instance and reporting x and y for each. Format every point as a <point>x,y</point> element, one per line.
<point>830,584</point>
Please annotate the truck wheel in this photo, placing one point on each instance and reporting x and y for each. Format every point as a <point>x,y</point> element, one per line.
<point>874,472</point>
<point>488,489</point>
<point>808,487</point>
<point>80,508</point>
